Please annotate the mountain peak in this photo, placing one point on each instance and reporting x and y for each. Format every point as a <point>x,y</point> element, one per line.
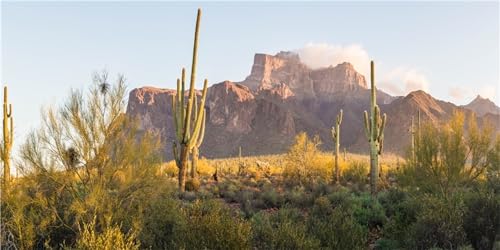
<point>482,106</point>
<point>286,68</point>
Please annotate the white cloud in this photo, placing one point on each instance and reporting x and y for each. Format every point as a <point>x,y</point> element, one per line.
<point>318,55</point>
<point>466,94</point>
<point>459,93</point>
<point>403,80</point>
<point>397,81</point>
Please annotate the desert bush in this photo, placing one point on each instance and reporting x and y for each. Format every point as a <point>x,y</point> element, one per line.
<point>193,184</point>
<point>212,226</point>
<point>335,227</point>
<point>284,229</point>
<point>356,172</point>
<point>303,163</point>
<point>391,200</point>
<point>369,212</point>
<point>298,197</point>
<point>271,198</point>
<point>439,224</point>
<point>110,238</point>
<point>169,169</point>
<point>482,219</point>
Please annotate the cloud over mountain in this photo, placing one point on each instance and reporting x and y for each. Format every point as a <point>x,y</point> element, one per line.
<point>397,81</point>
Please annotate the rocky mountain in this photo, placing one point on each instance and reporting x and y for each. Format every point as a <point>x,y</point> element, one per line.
<point>282,97</point>
<point>482,106</point>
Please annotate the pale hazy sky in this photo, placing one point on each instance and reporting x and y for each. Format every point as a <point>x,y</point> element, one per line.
<point>450,49</point>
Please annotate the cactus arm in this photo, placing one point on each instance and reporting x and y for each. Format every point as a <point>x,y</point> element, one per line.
<point>367,125</point>
<point>202,132</point>
<point>339,117</point>
<point>382,126</point>
<point>376,121</point>
<point>175,113</point>
<point>199,119</point>
<point>176,154</point>
<point>11,139</point>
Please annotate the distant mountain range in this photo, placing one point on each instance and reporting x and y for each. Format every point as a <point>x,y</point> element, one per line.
<point>282,97</point>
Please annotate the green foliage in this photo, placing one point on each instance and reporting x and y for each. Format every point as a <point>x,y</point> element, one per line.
<point>336,228</point>
<point>356,172</point>
<point>283,230</point>
<point>211,226</point>
<point>439,224</point>
<point>110,238</point>
<point>482,219</point>
<point>369,212</point>
<point>303,164</point>
<point>193,184</point>
<point>449,157</point>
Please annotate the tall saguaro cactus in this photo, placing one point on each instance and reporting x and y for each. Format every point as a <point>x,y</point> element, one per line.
<point>414,131</point>
<point>336,140</point>
<point>8,135</point>
<point>374,129</point>
<point>188,138</point>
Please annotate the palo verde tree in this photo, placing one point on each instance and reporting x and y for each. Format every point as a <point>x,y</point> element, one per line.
<point>336,141</point>
<point>84,163</point>
<point>451,155</point>
<point>188,137</point>
<point>374,129</point>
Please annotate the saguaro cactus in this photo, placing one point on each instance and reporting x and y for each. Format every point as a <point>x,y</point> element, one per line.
<point>414,141</point>
<point>336,140</point>
<point>187,137</point>
<point>374,129</point>
<point>8,135</point>
<point>412,132</point>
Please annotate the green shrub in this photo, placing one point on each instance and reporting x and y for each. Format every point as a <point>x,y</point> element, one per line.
<point>212,226</point>
<point>193,184</point>
<point>439,224</point>
<point>369,212</point>
<point>335,228</point>
<point>391,200</point>
<point>356,172</point>
<point>271,198</point>
<point>161,217</point>
<point>283,230</point>
<point>482,219</point>
<point>111,238</point>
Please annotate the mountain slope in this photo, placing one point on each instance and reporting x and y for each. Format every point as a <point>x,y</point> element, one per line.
<point>282,97</point>
<point>482,106</point>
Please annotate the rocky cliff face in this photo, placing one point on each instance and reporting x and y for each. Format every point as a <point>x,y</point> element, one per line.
<point>282,97</point>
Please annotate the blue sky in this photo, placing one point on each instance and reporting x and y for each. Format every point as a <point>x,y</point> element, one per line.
<point>451,49</point>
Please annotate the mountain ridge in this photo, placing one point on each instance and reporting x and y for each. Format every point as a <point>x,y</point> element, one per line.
<point>282,97</point>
